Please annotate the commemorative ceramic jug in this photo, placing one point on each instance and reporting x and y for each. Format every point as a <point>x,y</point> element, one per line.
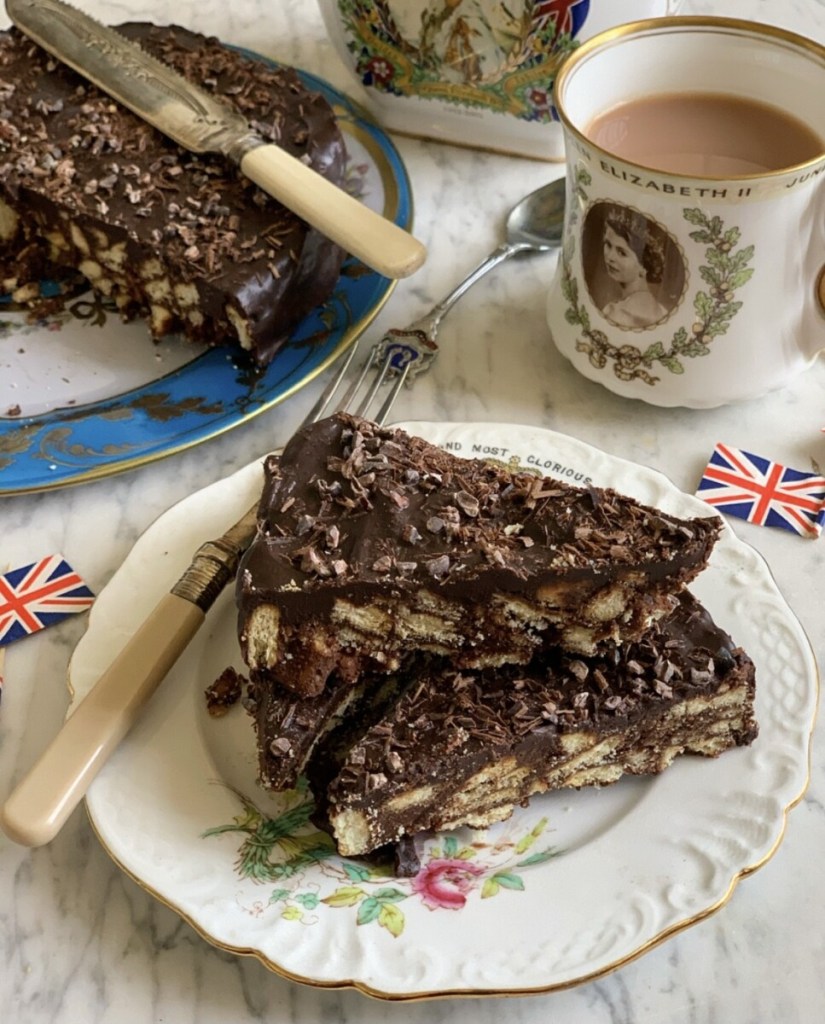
<point>471,72</point>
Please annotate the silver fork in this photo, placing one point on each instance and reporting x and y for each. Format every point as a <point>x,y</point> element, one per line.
<point>402,354</point>
<point>39,806</point>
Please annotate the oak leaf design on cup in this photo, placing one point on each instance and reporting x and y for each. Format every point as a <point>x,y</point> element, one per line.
<point>726,270</point>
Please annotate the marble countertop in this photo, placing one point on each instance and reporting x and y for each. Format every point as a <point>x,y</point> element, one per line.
<point>81,941</point>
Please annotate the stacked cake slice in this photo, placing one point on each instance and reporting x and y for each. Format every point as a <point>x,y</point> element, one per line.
<point>467,748</point>
<point>432,640</point>
<point>373,544</point>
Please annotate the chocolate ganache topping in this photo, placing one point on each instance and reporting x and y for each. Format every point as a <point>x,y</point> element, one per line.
<point>180,238</point>
<point>355,507</point>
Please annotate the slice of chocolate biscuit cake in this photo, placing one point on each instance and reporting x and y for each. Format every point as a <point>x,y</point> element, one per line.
<point>373,544</point>
<point>466,747</point>
<point>181,239</point>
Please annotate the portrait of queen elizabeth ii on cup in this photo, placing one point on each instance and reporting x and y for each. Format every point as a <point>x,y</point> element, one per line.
<point>633,269</point>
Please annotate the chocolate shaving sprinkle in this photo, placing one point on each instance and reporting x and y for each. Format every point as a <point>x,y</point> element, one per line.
<point>439,567</point>
<point>406,862</point>
<point>410,534</point>
<point>468,504</point>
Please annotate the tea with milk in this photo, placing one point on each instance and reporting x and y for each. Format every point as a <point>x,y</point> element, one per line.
<point>708,135</point>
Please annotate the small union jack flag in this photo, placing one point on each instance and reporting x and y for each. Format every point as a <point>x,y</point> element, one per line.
<point>38,595</point>
<point>764,492</point>
<point>568,16</point>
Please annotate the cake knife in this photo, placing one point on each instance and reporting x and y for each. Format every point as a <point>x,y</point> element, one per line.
<point>202,124</point>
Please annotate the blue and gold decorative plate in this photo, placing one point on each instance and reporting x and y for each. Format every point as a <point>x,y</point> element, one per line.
<point>83,395</point>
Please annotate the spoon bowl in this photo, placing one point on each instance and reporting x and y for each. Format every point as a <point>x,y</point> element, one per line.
<point>537,222</point>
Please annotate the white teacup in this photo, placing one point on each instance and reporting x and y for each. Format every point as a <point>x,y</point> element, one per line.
<point>684,288</point>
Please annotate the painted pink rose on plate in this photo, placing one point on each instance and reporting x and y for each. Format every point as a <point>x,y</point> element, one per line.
<point>444,884</point>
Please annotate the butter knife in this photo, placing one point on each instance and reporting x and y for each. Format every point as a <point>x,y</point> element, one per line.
<point>202,124</point>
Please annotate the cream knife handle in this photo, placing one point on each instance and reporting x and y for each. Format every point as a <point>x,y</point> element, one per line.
<point>376,241</point>
<point>39,806</point>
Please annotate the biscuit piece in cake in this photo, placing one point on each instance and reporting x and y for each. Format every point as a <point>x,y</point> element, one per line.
<point>373,544</point>
<point>181,239</point>
<point>467,747</point>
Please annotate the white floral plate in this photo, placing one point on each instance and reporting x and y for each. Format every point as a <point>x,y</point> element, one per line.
<point>574,885</point>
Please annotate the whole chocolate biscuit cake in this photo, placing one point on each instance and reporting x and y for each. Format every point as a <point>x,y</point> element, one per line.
<point>373,544</point>
<point>180,239</point>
